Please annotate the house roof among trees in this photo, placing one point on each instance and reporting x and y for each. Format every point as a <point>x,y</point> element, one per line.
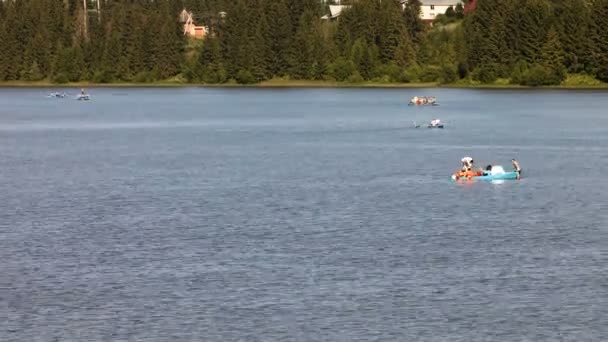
<point>440,2</point>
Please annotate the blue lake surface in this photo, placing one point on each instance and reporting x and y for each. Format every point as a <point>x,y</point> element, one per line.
<point>196,214</point>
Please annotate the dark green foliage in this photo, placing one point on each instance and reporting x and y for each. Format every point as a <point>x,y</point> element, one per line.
<point>552,37</point>
<point>573,20</point>
<point>212,69</point>
<point>550,69</point>
<point>450,12</point>
<point>45,39</point>
<point>532,42</point>
<point>535,76</point>
<point>449,74</point>
<point>60,78</point>
<point>531,29</point>
<point>599,38</point>
<point>415,25</point>
<point>431,73</point>
<point>393,38</point>
<point>308,53</point>
<point>486,73</point>
<point>463,70</point>
<point>375,32</point>
<point>279,36</point>
<point>78,66</point>
<point>486,35</point>
<point>459,11</point>
<point>342,69</point>
<point>539,75</point>
<point>552,58</point>
<point>168,44</point>
<point>245,77</point>
<point>390,73</point>
<point>364,58</point>
<point>520,71</point>
<point>33,73</point>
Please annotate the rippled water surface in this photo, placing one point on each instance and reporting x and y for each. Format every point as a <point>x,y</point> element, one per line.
<point>301,215</point>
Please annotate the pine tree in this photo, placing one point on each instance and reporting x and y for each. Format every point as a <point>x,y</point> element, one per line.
<point>13,47</point>
<point>4,58</point>
<point>599,35</point>
<point>168,45</point>
<point>392,34</point>
<point>211,62</point>
<point>77,68</point>
<point>459,11</point>
<point>486,38</point>
<point>552,57</point>
<point>357,54</point>
<point>111,53</point>
<point>450,12</point>
<point>301,52</point>
<point>137,48</point>
<point>532,28</point>
<point>259,46</point>
<point>279,36</point>
<point>573,20</point>
<point>535,40</point>
<point>298,7</point>
<point>122,28</point>
<point>414,23</point>
<point>308,52</point>
<point>62,64</point>
<point>234,38</point>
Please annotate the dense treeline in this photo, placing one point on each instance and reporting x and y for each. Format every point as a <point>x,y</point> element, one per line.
<point>536,42</point>
<point>127,41</point>
<point>530,42</point>
<point>261,39</point>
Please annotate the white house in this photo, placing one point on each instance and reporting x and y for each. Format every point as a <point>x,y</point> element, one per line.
<point>430,9</point>
<point>335,11</point>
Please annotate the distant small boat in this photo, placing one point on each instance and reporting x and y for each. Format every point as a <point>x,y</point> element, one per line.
<point>436,123</point>
<point>83,97</point>
<point>57,95</point>
<point>423,101</point>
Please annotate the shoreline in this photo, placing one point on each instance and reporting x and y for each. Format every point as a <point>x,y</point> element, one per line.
<point>285,84</point>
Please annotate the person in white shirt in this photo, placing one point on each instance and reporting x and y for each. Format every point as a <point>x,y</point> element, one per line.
<point>467,164</point>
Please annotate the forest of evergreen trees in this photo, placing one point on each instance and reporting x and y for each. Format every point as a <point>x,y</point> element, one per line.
<point>528,42</point>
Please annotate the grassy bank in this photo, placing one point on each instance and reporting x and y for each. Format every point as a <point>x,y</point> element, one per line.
<point>279,83</point>
<point>48,84</point>
<point>572,82</point>
<point>275,83</point>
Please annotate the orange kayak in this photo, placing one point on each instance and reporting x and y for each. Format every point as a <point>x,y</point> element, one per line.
<point>467,174</point>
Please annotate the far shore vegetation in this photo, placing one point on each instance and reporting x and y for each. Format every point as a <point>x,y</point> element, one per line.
<point>571,82</point>
<point>287,43</point>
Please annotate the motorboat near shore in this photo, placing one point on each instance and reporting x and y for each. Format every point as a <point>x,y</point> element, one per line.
<point>491,172</point>
<point>423,101</point>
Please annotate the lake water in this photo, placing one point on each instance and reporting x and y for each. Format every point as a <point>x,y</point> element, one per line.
<point>198,214</point>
